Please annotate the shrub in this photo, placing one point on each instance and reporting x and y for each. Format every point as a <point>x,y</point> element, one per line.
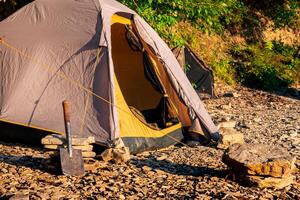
<point>270,66</point>
<point>224,70</point>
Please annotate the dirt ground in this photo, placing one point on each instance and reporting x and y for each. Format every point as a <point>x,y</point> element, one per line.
<point>178,172</point>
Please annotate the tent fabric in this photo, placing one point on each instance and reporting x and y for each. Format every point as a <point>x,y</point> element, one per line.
<point>54,39</point>
<point>129,70</point>
<point>177,77</point>
<point>198,72</point>
<point>52,50</point>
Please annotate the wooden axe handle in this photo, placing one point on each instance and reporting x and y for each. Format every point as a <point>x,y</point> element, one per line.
<point>67,110</point>
<point>67,117</point>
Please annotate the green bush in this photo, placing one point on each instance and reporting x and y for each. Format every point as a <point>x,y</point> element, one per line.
<point>269,66</point>
<point>206,15</point>
<point>224,71</point>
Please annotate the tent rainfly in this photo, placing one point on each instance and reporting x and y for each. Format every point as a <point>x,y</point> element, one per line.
<point>197,71</point>
<point>122,79</point>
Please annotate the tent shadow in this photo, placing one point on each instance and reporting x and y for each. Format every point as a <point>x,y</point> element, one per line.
<point>32,163</point>
<point>179,169</point>
<point>47,165</point>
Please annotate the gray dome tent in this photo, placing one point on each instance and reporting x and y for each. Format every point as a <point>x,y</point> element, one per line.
<point>122,79</point>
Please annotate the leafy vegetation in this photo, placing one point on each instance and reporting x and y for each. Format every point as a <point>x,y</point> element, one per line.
<point>257,62</point>
<point>272,66</point>
<point>207,15</point>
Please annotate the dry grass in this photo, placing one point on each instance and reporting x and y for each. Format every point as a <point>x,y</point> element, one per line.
<point>288,36</point>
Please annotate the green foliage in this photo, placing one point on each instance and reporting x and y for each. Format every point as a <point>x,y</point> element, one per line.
<point>206,15</point>
<point>282,12</point>
<point>186,68</point>
<point>270,66</point>
<point>215,16</point>
<point>224,70</point>
<point>286,15</point>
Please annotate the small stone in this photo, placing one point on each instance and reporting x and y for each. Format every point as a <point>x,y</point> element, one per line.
<point>146,169</point>
<point>52,140</point>
<point>88,154</point>
<point>162,157</point>
<point>269,182</point>
<point>4,170</point>
<point>12,170</point>
<point>121,155</point>
<point>259,159</point>
<point>91,164</point>
<point>231,94</point>
<point>227,124</point>
<point>160,172</point>
<point>160,194</point>
<point>107,155</point>
<point>229,136</point>
<point>118,155</point>
<point>257,119</point>
<point>226,106</point>
<point>242,124</point>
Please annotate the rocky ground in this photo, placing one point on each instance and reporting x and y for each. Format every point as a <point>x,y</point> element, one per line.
<point>178,172</point>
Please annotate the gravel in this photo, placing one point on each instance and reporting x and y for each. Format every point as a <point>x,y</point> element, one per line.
<point>177,172</point>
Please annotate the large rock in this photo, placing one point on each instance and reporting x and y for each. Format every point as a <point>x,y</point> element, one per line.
<point>259,159</point>
<point>229,136</point>
<point>269,182</point>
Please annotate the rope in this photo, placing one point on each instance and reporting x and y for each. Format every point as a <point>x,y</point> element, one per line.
<point>87,101</point>
<point>78,84</point>
<point>52,69</point>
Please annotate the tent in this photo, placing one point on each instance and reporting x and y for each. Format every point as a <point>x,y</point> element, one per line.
<point>123,81</point>
<point>197,71</point>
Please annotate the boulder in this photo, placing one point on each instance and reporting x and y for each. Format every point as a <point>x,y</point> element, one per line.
<point>229,136</point>
<point>259,159</point>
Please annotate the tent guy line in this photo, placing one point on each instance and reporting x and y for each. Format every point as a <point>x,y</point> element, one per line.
<point>49,68</point>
